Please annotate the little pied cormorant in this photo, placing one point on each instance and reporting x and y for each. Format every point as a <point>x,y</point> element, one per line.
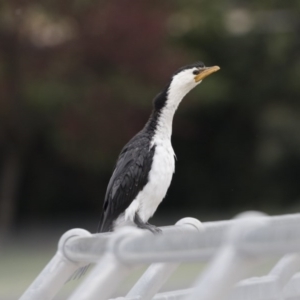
<point>146,164</point>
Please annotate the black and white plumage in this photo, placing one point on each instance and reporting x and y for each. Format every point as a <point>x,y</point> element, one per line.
<point>146,164</point>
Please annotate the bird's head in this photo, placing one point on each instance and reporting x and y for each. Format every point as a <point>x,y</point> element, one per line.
<point>184,80</point>
<point>188,77</point>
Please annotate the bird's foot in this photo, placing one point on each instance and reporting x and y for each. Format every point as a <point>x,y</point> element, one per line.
<point>145,225</point>
<point>152,228</point>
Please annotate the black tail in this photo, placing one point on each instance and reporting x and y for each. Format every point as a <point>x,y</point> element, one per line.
<point>104,225</point>
<point>100,223</point>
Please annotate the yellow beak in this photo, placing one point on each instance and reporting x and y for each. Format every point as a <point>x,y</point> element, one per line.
<point>206,72</point>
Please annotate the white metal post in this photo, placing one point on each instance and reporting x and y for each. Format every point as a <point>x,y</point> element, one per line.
<point>230,265</point>
<point>248,242</point>
<point>108,273</point>
<point>103,280</point>
<point>158,273</point>
<point>270,287</point>
<point>57,271</point>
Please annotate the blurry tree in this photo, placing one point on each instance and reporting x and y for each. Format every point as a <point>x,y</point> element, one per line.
<point>77,79</point>
<point>63,67</point>
<point>245,152</point>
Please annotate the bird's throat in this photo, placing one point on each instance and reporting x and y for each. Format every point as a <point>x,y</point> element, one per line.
<point>165,122</point>
<point>161,119</point>
<point>165,106</point>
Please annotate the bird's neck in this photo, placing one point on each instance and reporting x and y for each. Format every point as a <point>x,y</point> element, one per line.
<point>165,105</point>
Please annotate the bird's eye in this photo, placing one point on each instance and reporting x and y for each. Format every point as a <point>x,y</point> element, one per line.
<point>196,72</point>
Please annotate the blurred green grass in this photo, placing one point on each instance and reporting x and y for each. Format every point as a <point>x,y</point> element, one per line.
<point>19,266</point>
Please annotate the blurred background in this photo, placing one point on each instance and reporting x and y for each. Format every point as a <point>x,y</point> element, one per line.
<point>77,79</point>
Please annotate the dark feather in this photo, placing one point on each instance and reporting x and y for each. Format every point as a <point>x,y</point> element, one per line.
<point>128,179</point>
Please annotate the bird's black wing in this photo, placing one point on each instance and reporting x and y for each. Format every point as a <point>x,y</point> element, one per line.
<point>128,179</point>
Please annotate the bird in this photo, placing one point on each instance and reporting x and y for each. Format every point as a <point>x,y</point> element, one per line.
<point>145,166</point>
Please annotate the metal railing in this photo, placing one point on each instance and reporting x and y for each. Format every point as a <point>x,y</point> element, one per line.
<point>233,250</point>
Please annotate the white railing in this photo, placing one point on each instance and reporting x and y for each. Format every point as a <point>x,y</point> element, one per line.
<point>234,250</point>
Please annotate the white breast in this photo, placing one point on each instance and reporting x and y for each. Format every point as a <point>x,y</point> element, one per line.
<point>159,180</point>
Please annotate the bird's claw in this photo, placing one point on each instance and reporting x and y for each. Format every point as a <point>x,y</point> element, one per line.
<point>153,228</point>
<point>140,224</point>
